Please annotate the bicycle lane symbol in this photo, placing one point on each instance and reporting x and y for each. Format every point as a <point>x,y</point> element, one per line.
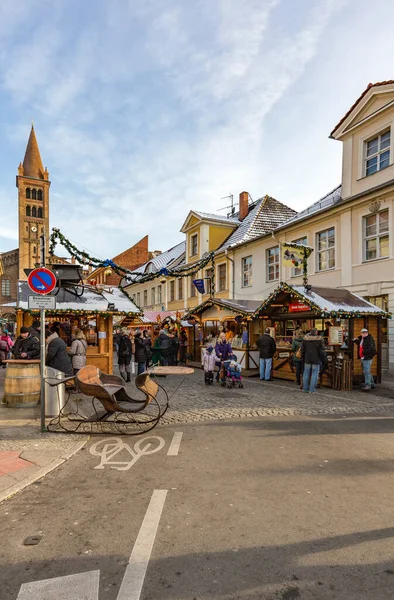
<point>109,451</point>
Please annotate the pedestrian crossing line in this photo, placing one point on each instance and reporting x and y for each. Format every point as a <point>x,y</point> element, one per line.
<point>133,579</point>
<point>82,586</point>
<point>175,444</point>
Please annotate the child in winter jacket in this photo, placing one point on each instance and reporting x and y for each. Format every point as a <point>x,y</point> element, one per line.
<point>208,363</point>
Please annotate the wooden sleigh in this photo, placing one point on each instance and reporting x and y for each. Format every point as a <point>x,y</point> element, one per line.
<point>111,409</point>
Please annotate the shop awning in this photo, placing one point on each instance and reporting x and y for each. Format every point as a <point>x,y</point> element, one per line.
<point>92,300</point>
<point>323,302</point>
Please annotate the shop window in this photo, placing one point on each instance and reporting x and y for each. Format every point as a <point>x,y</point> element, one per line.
<point>325,244</point>
<point>28,194</point>
<point>153,296</point>
<point>180,288</point>
<point>273,264</point>
<point>247,271</point>
<point>377,153</point>
<point>34,212</point>
<point>172,290</point>
<point>5,287</point>
<point>159,300</point>
<point>297,271</point>
<point>208,280</point>
<point>34,194</point>
<point>28,211</point>
<point>376,235</point>
<point>222,277</point>
<point>145,297</point>
<point>192,287</point>
<point>39,213</point>
<point>39,194</point>
<point>194,245</point>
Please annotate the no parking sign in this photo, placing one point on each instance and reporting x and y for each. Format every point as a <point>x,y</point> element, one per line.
<point>41,281</point>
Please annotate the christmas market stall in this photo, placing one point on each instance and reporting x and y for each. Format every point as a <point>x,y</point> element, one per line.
<point>337,314</point>
<point>91,309</point>
<point>234,317</point>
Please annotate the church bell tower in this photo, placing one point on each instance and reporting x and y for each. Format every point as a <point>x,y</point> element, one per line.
<point>33,206</point>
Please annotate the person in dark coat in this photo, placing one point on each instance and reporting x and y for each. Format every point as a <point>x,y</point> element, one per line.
<point>314,357</point>
<point>173,358</point>
<point>124,354</point>
<point>223,350</point>
<point>182,346</point>
<point>57,356</point>
<point>267,346</point>
<point>366,351</point>
<point>141,353</point>
<point>297,361</point>
<point>165,346</point>
<point>35,329</point>
<point>27,346</point>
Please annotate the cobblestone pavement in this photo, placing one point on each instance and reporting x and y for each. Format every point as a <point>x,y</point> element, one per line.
<point>191,400</point>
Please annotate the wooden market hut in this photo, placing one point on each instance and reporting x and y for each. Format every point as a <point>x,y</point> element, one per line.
<point>293,307</point>
<point>235,316</point>
<point>91,309</point>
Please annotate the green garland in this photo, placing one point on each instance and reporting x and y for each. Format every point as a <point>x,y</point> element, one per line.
<point>84,258</point>
<point>215,302</point>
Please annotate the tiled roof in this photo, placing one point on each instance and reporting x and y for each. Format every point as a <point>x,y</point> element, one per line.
<point>159,262</point>
<point>32,162</point>
<point>333,197</point>
<point>264,216</point>
<point>369,86</point>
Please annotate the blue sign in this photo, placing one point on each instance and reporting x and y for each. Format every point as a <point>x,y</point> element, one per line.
<point>199,283</point>
<point>41,280</point>
<point>245,337</point>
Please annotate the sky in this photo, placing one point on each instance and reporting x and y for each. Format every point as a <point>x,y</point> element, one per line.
<point>144,110</point>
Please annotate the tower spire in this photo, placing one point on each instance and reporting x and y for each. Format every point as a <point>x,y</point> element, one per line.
<point>32,162</point>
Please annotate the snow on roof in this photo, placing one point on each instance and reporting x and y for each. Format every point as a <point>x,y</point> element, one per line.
<point>333,197</point>
<point>214,217</point>
<point>159,262</point>
<point>92,300</point>
<point>264,216</point>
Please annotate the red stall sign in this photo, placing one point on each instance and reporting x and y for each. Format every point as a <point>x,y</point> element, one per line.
<point>298,307</point>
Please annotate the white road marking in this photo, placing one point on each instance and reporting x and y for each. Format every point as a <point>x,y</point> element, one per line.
<point>83,586</point>
<point>110,448</point>
<point>134,576</point>
<point>175,443</point>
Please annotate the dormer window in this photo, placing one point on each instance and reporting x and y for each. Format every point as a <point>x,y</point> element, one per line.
<point>377,153</point>
<point>194,245</point>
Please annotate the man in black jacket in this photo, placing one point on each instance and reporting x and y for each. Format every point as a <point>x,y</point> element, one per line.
<point>27,346</point>
<point>267,346</point>
<point>314,357</point>
<point>366,352</point>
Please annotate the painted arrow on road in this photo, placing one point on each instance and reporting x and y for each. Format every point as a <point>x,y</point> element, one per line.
<point>83,586</point>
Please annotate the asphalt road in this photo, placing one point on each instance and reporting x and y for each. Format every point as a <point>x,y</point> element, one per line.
<point>267,508</point>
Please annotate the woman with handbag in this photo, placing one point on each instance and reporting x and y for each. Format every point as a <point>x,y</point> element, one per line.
<point>297,355</point>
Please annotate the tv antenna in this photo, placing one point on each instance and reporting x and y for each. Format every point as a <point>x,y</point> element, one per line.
<point>231,207</point>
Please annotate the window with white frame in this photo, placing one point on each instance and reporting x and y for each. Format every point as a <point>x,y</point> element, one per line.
<point>180,288</point>
<point>145,297</point>
<point>153,296</point>
<point>5,287</point>
<point>194,245</point>
<point>376,235</point>
<point>172,290</point>
<point>377,153</point>
<point>159,294</point>
<point>192,287</point>
<point>273,263</point>
<point>297,271</point>
<point>247,271</point>
<point>325,245</point>
<point>208,280</point>
<point>222,277</point>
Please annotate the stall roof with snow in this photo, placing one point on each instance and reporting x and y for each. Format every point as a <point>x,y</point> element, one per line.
<point>245,308</point>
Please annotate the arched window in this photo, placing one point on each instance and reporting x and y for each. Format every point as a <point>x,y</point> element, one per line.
<point>28,211</point>
<point>39,194</point>
<point>39,213</point>
<point>34,194</point>
<point>27,192</point>
<point>34,212</point>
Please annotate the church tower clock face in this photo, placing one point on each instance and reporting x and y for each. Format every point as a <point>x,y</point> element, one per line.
<point>34,229</point>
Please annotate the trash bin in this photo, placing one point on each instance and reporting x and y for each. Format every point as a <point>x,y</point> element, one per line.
<point>55,396</point>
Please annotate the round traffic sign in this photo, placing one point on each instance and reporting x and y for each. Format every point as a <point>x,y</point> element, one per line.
<point>41,281</point>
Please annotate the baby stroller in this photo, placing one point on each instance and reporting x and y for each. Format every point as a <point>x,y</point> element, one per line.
<point>230,374</point>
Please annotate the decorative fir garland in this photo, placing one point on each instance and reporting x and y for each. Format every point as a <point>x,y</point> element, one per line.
<point>84,258</point>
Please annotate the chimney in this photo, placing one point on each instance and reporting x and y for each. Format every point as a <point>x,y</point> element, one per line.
<point>243,205</point>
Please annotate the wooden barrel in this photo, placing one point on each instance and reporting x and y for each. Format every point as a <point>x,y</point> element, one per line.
<point>22,384</point>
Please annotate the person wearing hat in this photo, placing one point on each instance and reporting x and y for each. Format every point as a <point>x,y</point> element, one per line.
<point>366,351</point>
<point>57,356</point>
<point>27,346</point>
<point>208,363</point>
<point>35,329</point>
